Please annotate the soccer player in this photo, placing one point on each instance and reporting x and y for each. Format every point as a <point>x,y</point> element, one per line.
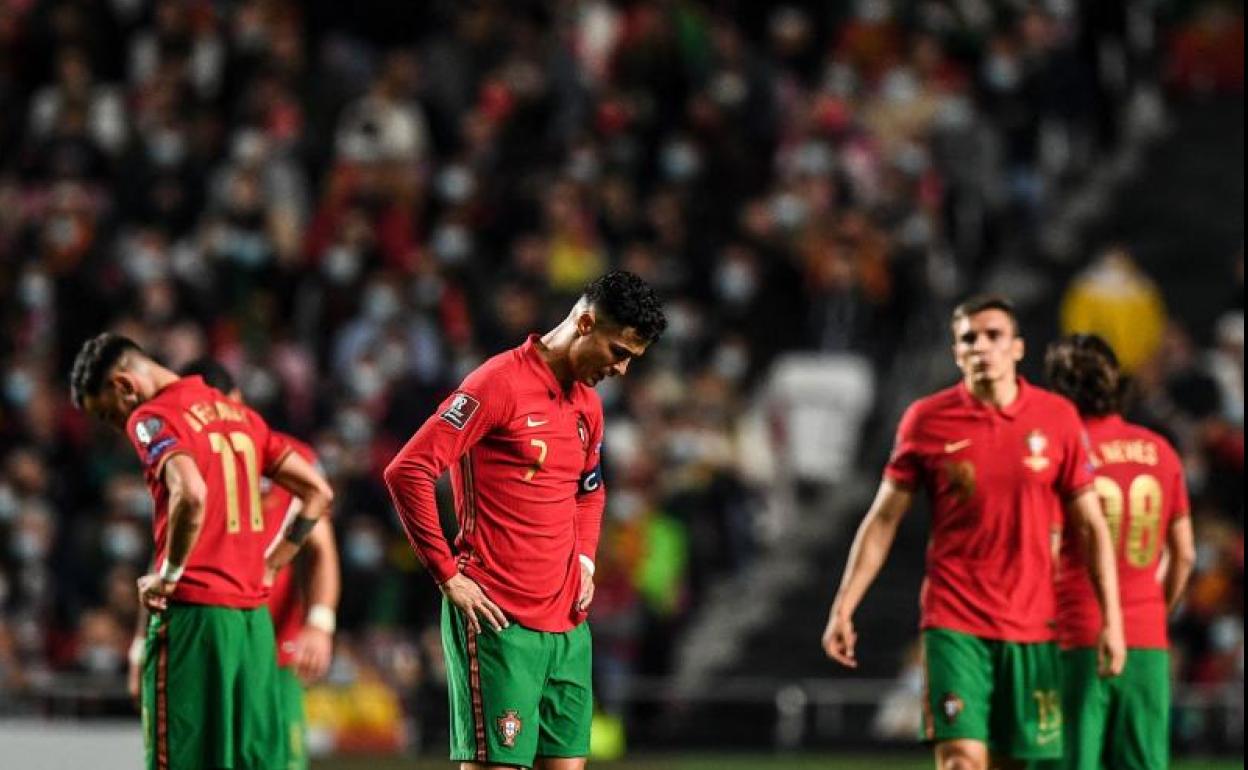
<point>997,456</point>
<point>522,436</point>
<point>304,598</point>
<point>1121,723</point>
<point>209,690</point>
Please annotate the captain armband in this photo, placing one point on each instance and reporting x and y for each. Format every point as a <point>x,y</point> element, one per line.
<point>591,481</point>
<point>299,529</point>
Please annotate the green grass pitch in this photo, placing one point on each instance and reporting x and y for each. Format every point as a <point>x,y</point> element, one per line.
<point>734,762</point>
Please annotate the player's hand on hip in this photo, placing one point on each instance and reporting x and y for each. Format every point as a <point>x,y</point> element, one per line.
<point>314,649</point>
<point>154,592</point>
<point>466,595</point>
<point>839,639</point>
<point>1111,652</point>
<point>586,596</point>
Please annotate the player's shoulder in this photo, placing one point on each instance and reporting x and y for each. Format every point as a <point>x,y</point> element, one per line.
<point>298,445</point>
<point>1054,405</point>
<point>1165,449</point>
<point>496,373</point>
<point>933,403</point>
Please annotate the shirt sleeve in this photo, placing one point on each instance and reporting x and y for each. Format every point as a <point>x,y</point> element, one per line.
<point>905,464</point>
<point>273,445</point>
<point>591,494</point>
<point>481,404</point>
<point>1076,472</point>
<point>156,436</point>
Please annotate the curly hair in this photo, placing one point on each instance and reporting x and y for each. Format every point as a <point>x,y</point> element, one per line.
<point>1084,369</point>
<point>629,301</point>
<point>95,359</point>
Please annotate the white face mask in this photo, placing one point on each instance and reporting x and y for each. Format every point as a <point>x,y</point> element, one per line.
<point>341,264</point>
<point>28,546</point>
<point>364,551</point>
<point>100,659</point>
<point>121,542</point>
<point>735,282</point>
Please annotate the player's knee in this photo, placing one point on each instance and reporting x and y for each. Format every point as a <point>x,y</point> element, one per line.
<point>954,756</point>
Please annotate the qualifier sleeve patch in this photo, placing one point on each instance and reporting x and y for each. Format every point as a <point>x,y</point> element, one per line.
<point>461,410</point>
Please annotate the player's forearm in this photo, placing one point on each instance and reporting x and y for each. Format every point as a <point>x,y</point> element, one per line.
<point>324,579</point>
<point>412,491</point>
<point>1103,569</point>
<point>871,545</point>
<point>867,555</point>
<point>589,510</point>
<point>1178,573</point>
<point>186,521</point>
<point>282,551</point>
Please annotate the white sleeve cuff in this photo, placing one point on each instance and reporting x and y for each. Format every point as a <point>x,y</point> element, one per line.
<point>587,563</point>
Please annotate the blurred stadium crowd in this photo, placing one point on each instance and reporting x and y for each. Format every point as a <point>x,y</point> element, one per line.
<point>352,211</point>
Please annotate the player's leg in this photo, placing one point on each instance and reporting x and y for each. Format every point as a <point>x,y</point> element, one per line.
<point>293,718</point>
<point>559,763</point>
<point>494,681</point>
<point>260,740</point>
<point>1139,725</point>
<point>961,754</point>
<point>958,690</point>
<point>567,705</point>
<point>1026,718</point>
<point>183,685</point>
<point>1085,710</point>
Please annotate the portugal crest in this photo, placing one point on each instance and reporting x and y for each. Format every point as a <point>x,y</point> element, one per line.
<point>951,706</point>
<point>1037,442</point>
<point>509,726</point>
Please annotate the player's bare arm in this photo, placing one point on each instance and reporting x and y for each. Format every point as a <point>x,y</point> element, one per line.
<point>302,480</point>
<point>187,493</point>
<point>872,543</point>
<point>315,645</point>
<point>1180,559</point>
<point>1085,510</point>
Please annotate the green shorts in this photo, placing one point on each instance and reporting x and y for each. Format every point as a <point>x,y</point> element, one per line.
<point>517,694</point>
<point>1005,694</point>
<point>209,690</point>
<point>1121,723</point>
<point>294,722</point>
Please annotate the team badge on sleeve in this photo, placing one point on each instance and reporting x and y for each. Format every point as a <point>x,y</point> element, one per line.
<point>147,429</point>
<point>461,410</point>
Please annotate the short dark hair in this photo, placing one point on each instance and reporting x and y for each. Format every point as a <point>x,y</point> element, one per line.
<point>628,301</point>
<point>1084,369</point>
<point>94,361</point>
<point>213,372</point>
<point>981,302</point>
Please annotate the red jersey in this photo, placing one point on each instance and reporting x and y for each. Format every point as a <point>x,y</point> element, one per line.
<point>287,604</point>
<point>995,478</point>
<point>524,457</point>
<point>1140,480</point>
<point>232,446</point>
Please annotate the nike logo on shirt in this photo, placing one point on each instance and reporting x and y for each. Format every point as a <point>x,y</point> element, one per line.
<point>954,446</point>
<point>534,423</point>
